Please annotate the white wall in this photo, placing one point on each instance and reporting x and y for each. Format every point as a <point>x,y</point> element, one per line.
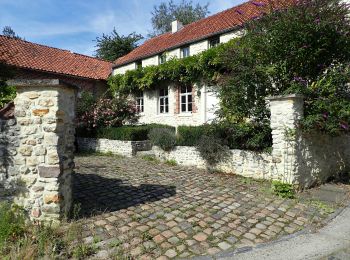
<point>198,47</point>
<point>150,61</point>
<point>195,48</point>
<point>123,69</point>
<point>151,111</point>
<point>229,36</point>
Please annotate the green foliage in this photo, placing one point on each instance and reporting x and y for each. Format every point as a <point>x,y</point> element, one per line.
<point>111,47</point>
<point>163,137</point>
<point>171,162</point>
<point>327,104</point>
<point>12,222</point>
<point>82,251</point>
<point>246,136</point>
<point>212,149</point>
<point>185,12</point>
<point>85,103</point>
<point>190,135</point>
<point>289,51</point>
<point>283,190</point>
<point>108,112</point>
<point>7,93</point>
<point>200,68</point>
<point>9,32</point>
<point>124,133</point>
<point>297,49</point>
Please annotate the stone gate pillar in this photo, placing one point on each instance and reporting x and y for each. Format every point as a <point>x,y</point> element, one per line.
<point>45,112</point>
<point>286,112</point>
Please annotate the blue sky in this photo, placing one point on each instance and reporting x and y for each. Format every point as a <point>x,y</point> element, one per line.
<point>74,24</point>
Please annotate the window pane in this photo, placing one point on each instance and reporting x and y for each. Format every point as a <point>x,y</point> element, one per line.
<point>183,107</point>
<point>162,101</point>
<point>167,109</point>
<point>165,91</point>
<point>161,92</point>
<point>189,107</point>
<point>183,99</point>
<point>166,101</point>
<point>161,109</point>
<point>189,98</point>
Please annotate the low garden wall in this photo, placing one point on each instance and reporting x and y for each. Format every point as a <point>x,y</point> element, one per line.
<point>245,163</point>
<point>296,158</point>
<point>124,148</point>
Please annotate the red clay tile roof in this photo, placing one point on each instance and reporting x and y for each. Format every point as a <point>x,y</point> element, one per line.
<point>34,56</point>
<point>224,21</point>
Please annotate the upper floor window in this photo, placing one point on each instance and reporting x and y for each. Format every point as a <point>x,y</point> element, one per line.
<point>164,100</point>
<point>162,58</point>
<point>139,64</point>
<point>140,102</point>
<point>185,52</point>
<point>186,99</point>
<point>213,42</point>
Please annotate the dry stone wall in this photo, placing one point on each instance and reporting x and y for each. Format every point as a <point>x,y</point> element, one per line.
<point>244,163</point>
<point>123,148</point>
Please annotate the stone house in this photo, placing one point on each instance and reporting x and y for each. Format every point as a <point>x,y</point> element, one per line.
<point>194,105</point>
<point>33,61</point>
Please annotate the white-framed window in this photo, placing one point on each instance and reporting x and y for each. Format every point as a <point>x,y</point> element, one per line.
<point>213,42</point>
<point>140,102</point>
<point>162,58</point>
<point>186,99</point>
<point>163,100</point>
<point>185,52</point>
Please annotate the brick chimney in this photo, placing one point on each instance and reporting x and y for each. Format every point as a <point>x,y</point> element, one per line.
<point>176,26</point>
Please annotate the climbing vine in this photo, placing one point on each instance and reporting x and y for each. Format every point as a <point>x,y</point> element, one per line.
<point>200,68</point>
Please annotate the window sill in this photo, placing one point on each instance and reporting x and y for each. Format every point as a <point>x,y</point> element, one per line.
<point>187,114</point>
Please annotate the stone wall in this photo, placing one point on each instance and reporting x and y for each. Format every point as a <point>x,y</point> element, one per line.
<point>302,159</point>
<point>9,142</point>
<point>244,163</point>
<point>124,148</point>
<point>296,158</point>
<point>41,158</point>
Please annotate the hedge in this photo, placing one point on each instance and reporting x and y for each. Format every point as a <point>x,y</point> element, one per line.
<point>244,136</point>
<point>124,133</point>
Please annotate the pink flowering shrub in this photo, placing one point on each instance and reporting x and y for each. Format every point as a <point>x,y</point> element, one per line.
<point>109,112</point>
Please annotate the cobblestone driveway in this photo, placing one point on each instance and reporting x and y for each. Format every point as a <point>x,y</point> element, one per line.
<point>145,210</point>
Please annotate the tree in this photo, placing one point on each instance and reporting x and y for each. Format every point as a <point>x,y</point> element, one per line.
<point>185,12</point>
<point>302,49</point>
<point>113,46</point>
<point>9,32</point>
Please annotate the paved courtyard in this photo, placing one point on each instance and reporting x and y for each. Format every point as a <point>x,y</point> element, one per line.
<point>139,209</point>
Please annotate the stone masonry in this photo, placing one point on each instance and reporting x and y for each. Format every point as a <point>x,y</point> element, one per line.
<point>42,164</point>
<point>296,158</point>
<point>123,148</point>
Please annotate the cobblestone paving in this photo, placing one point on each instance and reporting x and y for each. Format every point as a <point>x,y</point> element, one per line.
<point>135,209</point>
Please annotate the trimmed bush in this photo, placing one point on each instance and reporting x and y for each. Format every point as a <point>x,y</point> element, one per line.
<point>123,133</point>
<point>163,137</point>
<point>245,136</point>
<point>212,149</point>
<point>190,135</point>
